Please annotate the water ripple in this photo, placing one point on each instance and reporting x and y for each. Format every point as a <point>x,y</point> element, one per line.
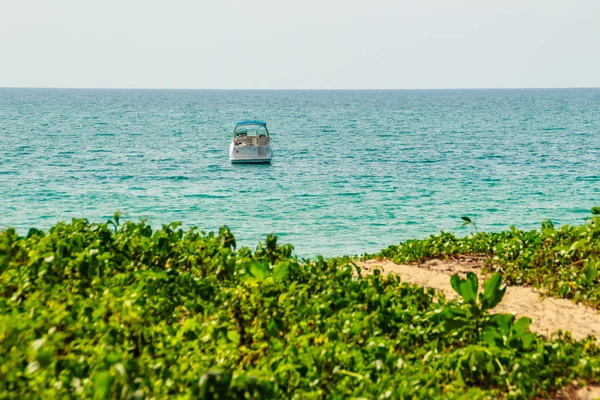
<point>354,171</point>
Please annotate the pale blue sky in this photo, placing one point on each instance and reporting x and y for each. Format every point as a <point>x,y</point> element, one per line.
<point>308,44</point>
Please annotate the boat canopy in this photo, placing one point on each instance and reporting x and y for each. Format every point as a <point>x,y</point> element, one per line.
<point>251,122</point>
<point>250,127</point>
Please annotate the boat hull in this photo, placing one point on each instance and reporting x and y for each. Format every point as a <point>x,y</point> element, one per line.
<point>261,154</point>
<point>251,161</point>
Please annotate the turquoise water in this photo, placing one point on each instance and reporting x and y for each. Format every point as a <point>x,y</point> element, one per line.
<point>353,171</point>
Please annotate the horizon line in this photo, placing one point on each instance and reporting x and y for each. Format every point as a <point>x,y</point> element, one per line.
<point>297,89</point>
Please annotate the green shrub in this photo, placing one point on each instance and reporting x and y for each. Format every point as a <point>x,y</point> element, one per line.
<point>121,311</point>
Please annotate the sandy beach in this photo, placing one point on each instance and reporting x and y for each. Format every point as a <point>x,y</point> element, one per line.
<point>548,314</point>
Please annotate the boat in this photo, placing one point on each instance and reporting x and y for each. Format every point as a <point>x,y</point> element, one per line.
<point>250,143</point>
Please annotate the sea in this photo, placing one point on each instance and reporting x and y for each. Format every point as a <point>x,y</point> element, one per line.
<point>353,171</point>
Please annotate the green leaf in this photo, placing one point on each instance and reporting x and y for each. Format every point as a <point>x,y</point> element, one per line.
<point>455,283</point>
<point>547,224</point>
<point>466,219</point>
<point>528,339</point>
<point>113,357</point>
<point>467,292</point>
<point>453,312</point>
<point>492,336</point>
<point>595,210</point>
<point>460,382</point>
<point>503,322</point>
<point>590,272</point>
<point>102,384</point>
<point>492,293</point>
<point>490,367</point>
<point>282,297</point>
<point>280,271</point>
<point>272,328</point>
<point>44,357</point>
<point>468,288</point>
<point>473,283</point>
<point>234,336</point>
<point>455,324</point>
<point>473,364</point>
<point>259,270</point>
<point>522,325</point>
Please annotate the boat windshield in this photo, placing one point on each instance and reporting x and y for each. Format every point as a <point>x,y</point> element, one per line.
<point>250,130</point>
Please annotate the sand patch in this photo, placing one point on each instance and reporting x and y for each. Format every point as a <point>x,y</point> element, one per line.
<point>574,392</point>
<point>548,314</point>
<point>588,393</point>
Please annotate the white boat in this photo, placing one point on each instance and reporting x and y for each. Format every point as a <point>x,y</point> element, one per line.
<point>251,143</point>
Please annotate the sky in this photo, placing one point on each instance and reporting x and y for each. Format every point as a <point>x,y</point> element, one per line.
<point>308,44</point>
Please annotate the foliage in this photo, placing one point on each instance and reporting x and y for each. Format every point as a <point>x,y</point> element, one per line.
<point>564,261</point>
<point>469,221</point>
<point>121,311</point>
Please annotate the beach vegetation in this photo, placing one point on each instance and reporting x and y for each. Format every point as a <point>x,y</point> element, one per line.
<point>121,310</point>
<point>562,262</point>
